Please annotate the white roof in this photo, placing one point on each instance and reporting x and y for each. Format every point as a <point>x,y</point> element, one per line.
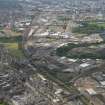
<point>63,58</point>
<point>21,29</point>
<point>72,60</point>
<point>44,34</point>
<point>31,32</point>
<point>44,79</point>
<point>44,20</point>
<point>102,83</point>
<point>46,44</point>
<point>28,23</point>
<point>91,91</point>
<point>63,44</point>
<point>68,70</point>
<point>84,64</point>
<point>58,91</point>
<point>55,100</point>
<point>55,34</point>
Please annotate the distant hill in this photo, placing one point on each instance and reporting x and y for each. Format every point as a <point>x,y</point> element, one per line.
<point>9,4</point>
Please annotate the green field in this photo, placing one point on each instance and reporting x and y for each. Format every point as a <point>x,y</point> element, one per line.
<point>3,103</point>
<point>13,44</point>
<point>15,39</point>
<point>82,51</point>
<point>89,27</point>
<point>14,50</point>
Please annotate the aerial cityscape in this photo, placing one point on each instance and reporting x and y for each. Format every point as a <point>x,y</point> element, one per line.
<point>52,52</point>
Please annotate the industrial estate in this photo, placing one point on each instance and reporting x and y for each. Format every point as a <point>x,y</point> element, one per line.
<point>52,52</point>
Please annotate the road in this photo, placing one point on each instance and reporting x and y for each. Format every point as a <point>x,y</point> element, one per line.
<point>43,57</point>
